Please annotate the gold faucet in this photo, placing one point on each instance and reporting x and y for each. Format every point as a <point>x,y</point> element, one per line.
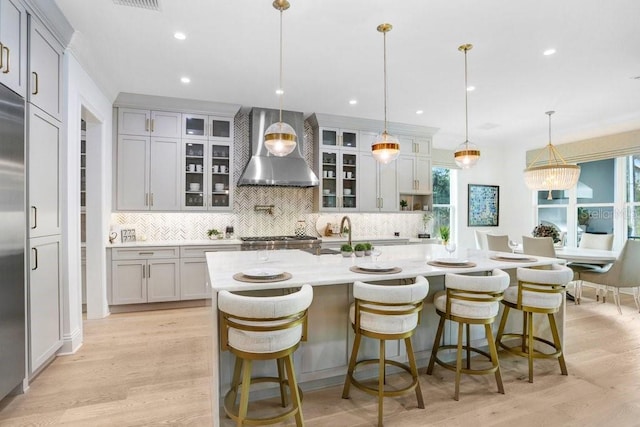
<point>346,218</point>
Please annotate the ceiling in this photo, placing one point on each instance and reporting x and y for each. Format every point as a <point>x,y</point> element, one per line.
<point>333,53</point>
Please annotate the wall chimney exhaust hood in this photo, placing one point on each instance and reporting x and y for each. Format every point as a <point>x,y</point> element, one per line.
<point>267,170</point>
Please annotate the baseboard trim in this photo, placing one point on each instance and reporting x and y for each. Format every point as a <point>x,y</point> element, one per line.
<point>71,343</point>
<point>128,308</point>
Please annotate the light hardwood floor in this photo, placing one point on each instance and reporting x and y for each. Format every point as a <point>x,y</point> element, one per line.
<point>152,368</point>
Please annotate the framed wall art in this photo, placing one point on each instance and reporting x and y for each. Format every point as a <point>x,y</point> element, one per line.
<point>484,205</point>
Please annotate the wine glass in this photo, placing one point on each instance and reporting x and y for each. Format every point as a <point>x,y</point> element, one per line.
<point>451,248</point>
<point>513,245</point>
<point>263,255</point>
<point>375,253</point>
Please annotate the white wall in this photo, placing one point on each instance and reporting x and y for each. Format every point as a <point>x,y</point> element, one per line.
<point>82,92</point>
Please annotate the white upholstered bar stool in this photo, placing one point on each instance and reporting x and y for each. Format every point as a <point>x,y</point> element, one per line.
<point>386,312</point>
<point>469,300</point>
<point>538,291</point>
<point>263,328</point>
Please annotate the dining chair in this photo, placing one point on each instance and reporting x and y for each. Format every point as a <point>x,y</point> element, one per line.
<point>539,246</point>
<point>623,273</point>
<point>591,241</point>
<point>498,243</point>
<point>481,239</point>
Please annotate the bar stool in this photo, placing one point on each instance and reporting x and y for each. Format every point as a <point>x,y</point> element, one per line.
<point>469,300</point>
<point>538,291</point>
<point>263,328</point>
<point>386,312</point>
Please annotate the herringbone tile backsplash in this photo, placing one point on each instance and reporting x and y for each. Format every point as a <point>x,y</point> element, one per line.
<point>291,205</point>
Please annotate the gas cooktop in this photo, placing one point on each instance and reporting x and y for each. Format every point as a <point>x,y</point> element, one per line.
<point>276,238</point>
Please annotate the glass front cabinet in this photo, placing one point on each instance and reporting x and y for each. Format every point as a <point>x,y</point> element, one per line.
<point>207,175</point>
<point>338,189</point>
<point>343,138</point>
<point>197,126</point>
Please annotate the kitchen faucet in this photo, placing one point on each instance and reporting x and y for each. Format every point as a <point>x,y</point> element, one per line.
<point>346,218</point>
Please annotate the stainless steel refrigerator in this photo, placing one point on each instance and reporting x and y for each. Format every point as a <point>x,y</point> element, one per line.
<point>12,241</point>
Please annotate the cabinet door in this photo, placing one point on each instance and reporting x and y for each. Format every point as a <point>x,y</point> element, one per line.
<point>166,124</point>
<point>406,176</point>
<point>129,282</point>
<point>13,39</point>
<point>368,173</point>
<point>44,163</point>
<point>194,126</point>
<point>193,279</point>
<point>45,300</point>
<point>134,122</point>
<point>132,172</point>
<point>220,128</point>
<point>330,184</point>
<point>164,175</point>
<point>220,186</point>
<point>423,174</point>
<point>195,169</point>
<point>163,280</point>
<point>45,64</point>
<point>388,187</point>
<point>348,177</point>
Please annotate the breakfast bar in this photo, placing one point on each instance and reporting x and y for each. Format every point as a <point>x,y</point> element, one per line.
<point>323,359</point>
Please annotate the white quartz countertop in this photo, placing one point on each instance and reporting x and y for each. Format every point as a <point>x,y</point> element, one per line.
<point>161,243</point>
<point>319,270</point>
<point>361,239</point>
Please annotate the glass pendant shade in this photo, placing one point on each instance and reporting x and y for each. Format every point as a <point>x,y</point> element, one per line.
<point>466,155</point>
<point>280,139</point>
<point>385,148</point>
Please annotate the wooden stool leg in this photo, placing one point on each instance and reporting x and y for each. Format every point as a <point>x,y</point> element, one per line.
<point>468,327</point>
<point>494,356</point>
<point>525,329</point>
<point>244,394</point>
<point>414,371</point>
<point>530,345</point>
<point>436,345</point>
<point>235,380</point>
<point>458,362</point>
<point>503,323</point>
<point>352,365</point>
<point>381,371</point>
<point>283,392</point>
<point>558,344</point>
<point>293,387</point>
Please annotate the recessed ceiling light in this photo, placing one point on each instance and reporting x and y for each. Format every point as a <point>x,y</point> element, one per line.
<point>185,79</point>
<point>419,112</point>
<point>549,52</point>
<point>279,91</point>
<point>471,88</point>
<point>353,101</point>
<point>179,35</point>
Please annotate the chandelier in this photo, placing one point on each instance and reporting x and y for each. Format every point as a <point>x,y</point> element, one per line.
<point>385,148</point>
<point>556,174</point>
<point>280,138</point>
<point>467,154</point>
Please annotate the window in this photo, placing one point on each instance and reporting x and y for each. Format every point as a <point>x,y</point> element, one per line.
<point>443,209</point>
<point>632,168</point>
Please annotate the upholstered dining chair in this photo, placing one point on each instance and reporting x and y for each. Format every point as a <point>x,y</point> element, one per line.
<point>469,300</point>
<point>498,243</point>
<point>591,241</point>
<point>540,246</point>
<point>386,312</point>
<point>623,273</point>
<point>481,239</point>
<point>263,328</point>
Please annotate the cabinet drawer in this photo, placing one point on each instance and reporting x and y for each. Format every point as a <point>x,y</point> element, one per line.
<point>145,253</point>
<point>200,251</point>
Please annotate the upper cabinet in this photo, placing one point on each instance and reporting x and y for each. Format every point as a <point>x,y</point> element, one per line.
<point>13,46</point>
<point>379,191</point>
<point>414,171</point>
<point>205,127</point>
<point>346,139</point>
<point>149,123</point>
<point>45,66</point>
<point>208,175</point>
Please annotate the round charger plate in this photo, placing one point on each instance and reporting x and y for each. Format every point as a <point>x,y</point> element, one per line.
<point>451,261</point>
<point>262,273</point>
<point>357,269</point>
<point>375,266</point>
<point>242,278</point>
<point>519,258</point>
<point>468,264</point>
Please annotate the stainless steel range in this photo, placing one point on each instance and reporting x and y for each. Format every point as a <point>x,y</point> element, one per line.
<point>279,242</point>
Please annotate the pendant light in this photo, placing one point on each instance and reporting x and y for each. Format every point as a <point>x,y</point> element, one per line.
<point>386,147</point>
<point>556,174</point>
<point>467,154</point>
<point>280,138</point>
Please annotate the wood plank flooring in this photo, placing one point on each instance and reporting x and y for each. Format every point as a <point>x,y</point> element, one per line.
<point>152,368</point>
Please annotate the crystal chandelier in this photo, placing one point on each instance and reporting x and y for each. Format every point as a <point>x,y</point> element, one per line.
<point>556,174</point>
<point>467,154</point>
<point>385,148</point>
<point>280,138</point>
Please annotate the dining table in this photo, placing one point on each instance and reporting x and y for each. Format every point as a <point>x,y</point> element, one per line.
<point>586,256</point>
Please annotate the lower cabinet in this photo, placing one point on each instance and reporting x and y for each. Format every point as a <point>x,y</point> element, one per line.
<point>194,283</point>
<point>45,300</point>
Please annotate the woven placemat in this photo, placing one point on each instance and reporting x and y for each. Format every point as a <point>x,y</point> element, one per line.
<point>499,258</point>
<point>445,265</point>
<point>240,277</point>
<point>357,269</point>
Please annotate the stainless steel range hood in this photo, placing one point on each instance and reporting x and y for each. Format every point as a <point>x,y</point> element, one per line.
<point>266,169</point>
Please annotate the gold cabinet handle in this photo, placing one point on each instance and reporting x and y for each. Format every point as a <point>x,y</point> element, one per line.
<point>150,199</point>
<point>153,121</point>
<point>144,271</point>
<point>149,269</point>
<point>35,217</point>
<point>35,258</point>
<point>36,83</point>
<point>8,55</point>
<point>146,125</point>
<point>1,55</point>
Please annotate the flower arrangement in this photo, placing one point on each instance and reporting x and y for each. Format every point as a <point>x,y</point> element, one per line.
<point>547,231</point>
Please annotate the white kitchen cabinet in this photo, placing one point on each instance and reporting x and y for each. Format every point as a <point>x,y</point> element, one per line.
<point>148,173</point>
<point>193,270</point>
<point>379,182</point>
<point>346,139</point>
<point>45,300</point>
<point>145,275</point>
<point>152,123</point>
<point>13,46</point>
<point>415,145</point>
<point>45,69</point>
<point>207,127</point>
<point>414,174</point>
<point>43,173</point>
<point>338,190</point>
<point>207,175</point>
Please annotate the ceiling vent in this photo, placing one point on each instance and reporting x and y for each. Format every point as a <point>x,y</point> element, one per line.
<point>143,4</point>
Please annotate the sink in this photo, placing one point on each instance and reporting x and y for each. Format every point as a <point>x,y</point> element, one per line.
<point>322,251</point>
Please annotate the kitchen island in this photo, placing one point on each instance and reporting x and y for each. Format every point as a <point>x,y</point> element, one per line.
<point>322,360</point>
